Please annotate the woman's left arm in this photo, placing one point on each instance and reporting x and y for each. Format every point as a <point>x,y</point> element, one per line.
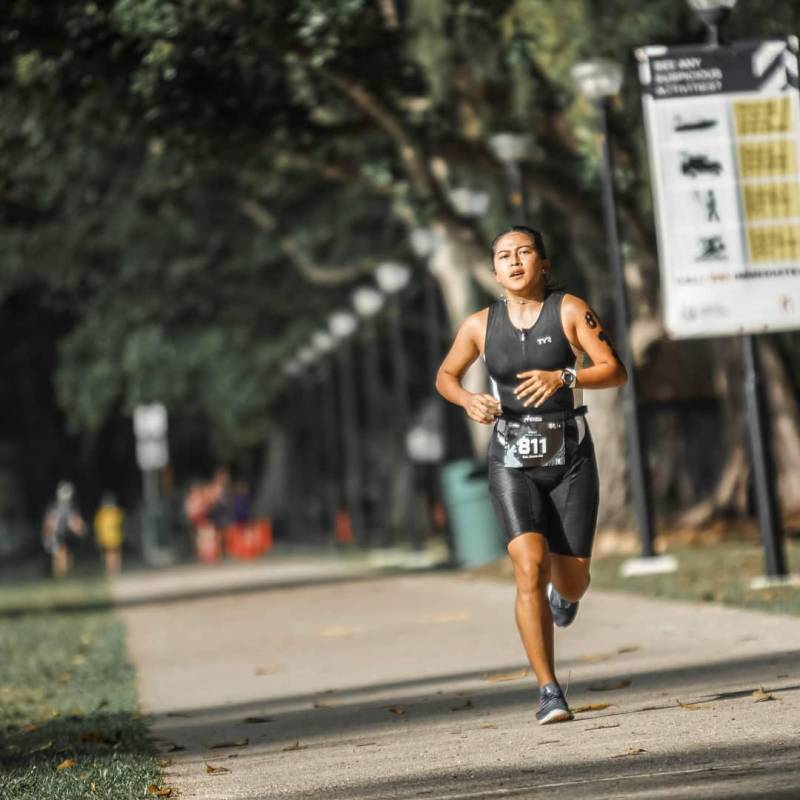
<point>585,331</point>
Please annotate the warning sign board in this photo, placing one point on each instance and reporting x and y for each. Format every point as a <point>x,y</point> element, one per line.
<point>723,130</point>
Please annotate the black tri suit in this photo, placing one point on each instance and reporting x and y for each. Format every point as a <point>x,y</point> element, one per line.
<point>542,469</point>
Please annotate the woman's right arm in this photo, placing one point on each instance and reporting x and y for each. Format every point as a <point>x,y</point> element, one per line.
<point>464,351</point>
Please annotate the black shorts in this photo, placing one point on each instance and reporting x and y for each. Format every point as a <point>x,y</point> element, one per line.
<point>559,502</point>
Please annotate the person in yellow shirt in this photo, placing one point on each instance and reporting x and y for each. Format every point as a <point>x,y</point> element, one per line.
<point>108,532</point>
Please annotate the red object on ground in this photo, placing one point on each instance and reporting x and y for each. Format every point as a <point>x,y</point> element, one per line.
<point>344,527</point>
<point>248,539</point>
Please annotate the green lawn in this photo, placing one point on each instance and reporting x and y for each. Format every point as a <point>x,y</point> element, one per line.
<point>68,697</point>
<point>713,573</point>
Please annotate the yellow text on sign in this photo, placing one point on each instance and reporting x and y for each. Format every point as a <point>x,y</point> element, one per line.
<point>771,200</point>
<point>770,158</point>
<point>774,243</point>
<point>770,115</point>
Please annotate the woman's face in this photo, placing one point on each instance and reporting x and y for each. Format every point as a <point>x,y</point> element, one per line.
<point>517,265</point>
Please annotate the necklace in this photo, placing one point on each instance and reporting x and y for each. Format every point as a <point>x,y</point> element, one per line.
<point>520,302</point>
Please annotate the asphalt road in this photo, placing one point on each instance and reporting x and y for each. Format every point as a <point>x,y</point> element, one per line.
<point>308,681</point>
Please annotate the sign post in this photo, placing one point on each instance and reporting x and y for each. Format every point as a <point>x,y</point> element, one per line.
<point>723,128</point>
<point>152,455</point>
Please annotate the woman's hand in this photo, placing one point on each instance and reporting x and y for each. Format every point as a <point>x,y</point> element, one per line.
<point>537,385</point>
<point>482,408</point>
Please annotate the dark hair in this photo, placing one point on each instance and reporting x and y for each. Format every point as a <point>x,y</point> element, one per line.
<point>538,245</point>
<point>535,236</point>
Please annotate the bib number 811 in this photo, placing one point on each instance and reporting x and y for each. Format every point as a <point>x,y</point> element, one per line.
<point>532,446</point>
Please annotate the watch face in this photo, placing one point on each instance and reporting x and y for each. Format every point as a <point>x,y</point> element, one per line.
<point>568,378</point>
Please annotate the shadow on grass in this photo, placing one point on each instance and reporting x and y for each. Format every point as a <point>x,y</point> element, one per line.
<point>84,738</point>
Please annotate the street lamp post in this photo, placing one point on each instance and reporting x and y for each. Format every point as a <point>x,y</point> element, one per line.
<point>310,472</point>
<point>392,278</point>
<point>324,343</point>
<point>342,325</point>
<point>512,149</point>
<point>367,302</point>
<point>599,81</point>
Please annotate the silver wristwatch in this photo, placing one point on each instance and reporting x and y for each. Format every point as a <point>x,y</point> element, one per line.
<point>569,377</point>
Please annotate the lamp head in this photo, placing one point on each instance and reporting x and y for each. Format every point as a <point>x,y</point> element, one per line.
<point>714,14</point>
<point>598,79</point>
<point>342,324</point>
<point>511,148</point>
<point>367,301</point>
<point>392,277</point>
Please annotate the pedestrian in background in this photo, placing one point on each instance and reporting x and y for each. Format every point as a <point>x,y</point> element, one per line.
<point>108,532</point>
<point>62,526</point>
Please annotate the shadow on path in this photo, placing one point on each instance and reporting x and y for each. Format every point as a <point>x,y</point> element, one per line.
<point>342,714</point>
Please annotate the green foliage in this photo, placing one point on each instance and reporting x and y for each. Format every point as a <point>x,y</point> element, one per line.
<point>134,134</point>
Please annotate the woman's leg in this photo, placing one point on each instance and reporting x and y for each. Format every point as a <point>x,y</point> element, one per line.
<point>530,557</point>
<point>570,576</point>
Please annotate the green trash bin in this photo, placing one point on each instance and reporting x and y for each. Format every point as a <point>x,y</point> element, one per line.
<point>477,536</point>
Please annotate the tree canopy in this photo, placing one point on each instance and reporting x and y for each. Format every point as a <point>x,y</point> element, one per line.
<point>187,189</point>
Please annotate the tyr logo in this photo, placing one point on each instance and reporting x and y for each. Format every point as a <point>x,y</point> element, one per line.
<point>544,340</point>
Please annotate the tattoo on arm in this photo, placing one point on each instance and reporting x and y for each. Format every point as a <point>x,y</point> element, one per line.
<point>592,322</point>
<point>603,338</point>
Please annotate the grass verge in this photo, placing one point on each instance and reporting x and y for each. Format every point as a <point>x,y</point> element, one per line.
<point>715,573</point>
<point>719,573</point>
<point>69,725</point>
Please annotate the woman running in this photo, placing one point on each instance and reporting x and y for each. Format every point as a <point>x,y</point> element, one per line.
<point>542,470</point>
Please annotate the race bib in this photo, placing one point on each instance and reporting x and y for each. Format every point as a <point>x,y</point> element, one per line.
<point>531,441</point>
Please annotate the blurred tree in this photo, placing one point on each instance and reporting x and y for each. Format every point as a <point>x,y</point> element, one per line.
<point>194,185</point>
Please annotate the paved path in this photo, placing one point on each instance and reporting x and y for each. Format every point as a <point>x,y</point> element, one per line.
<point>390,687</point>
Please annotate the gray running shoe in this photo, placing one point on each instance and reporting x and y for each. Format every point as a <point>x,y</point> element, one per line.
<point>552,705</point>
<point>563,611</point>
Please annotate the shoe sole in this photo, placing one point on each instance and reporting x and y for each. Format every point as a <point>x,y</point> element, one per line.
<point>556,715</point>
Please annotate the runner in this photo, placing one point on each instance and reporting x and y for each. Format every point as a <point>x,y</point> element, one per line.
<point>542,471</point>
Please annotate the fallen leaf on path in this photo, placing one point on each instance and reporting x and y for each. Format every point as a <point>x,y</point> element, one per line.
<point>67,763</point>
<point>489,725</point>
<point>324,704</point>
<point>338,631</point>
<point>631,751</point>
<point>628,648</point>
<point>222,745</point>
<point>256,720</point>
<point>549,741</point>
<point>266,670</point>
<point>609,686</point>
<point>760,696</point>
<point>497,677</point>
<point>366,744</point>
<point>212,770</point>
<point>295,746</point>
<point>603,727</point>
<point>160,791</point>
<point>438,619</point>
<point>396,709</point>
<point>591,707</point>
<point>595,657</point>
<point>692,706</point>
<point>462,707</point>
